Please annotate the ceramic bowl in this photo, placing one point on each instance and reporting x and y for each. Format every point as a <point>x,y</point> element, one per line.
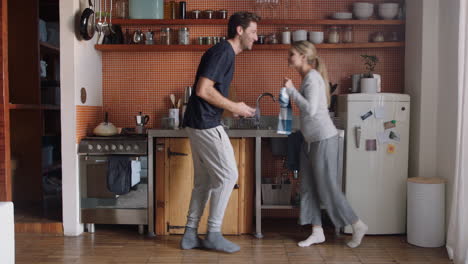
<point>363,10</point>
<point>388,10</point>
<point>342,15</point>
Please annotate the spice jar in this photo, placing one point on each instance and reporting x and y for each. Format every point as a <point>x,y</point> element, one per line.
<point>196,14</point>
<point>333,35</point>
<point>348,34</point>
<point>165,36</point>
<point>223,14</point>
<point>184,36</point>
<point>209,14</point>
<point>286,36</point>
<point>378,37</point>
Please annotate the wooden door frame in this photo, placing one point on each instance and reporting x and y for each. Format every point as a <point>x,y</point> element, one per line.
<point>6,188</point>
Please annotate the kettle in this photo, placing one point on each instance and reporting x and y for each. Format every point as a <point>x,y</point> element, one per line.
<point>105,128</point>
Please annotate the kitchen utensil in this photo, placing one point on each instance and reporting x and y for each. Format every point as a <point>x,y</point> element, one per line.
<point>105,25</point>
<point>141,120</point>
<point>105,128</point>
<point>179,103</point>
<point>174,113</point>
<point>87,27</point>
<point>173,101</point>
<point>99,25</point>
<point>110,19</point>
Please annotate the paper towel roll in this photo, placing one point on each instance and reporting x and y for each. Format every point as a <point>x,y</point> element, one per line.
<point>426,212</point>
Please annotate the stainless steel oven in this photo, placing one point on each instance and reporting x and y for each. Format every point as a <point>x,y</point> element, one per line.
<point>98,204</point>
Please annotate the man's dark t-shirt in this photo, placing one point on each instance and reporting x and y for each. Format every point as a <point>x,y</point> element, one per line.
<point>217,64</point>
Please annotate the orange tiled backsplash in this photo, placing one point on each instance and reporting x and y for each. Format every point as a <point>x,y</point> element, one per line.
<point>142,81</point>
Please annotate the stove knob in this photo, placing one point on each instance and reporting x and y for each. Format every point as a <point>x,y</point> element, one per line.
<point>90,147</point>
<point>113,147</point>
<point>98,147</point>
<point>121,147</point>
<point>128,148</point>
<point>136,147</point>
<point>106,147</point>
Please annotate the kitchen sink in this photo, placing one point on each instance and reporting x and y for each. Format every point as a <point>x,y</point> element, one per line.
<point>266,123</point>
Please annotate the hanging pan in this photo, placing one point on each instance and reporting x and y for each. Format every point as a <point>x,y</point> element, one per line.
<point>87,27</point>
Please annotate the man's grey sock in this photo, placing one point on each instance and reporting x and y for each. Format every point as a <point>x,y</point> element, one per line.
<point>216,241</point>
<point>190,239</point>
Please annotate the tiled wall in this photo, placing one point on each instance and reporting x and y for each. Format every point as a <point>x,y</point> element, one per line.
<point>142,81</point>
<point>87,118</point>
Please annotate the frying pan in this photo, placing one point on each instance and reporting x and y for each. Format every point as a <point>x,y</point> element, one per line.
<point>87,22</point>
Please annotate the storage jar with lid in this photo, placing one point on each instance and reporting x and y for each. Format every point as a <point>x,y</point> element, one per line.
<point>184,36</point>
<point>333,35</point>
<point>286,36</point>
<point>121,7</point>
<point>348,34</point>
<point>165,36</point>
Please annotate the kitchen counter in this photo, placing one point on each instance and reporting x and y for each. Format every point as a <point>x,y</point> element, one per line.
<point>258,134</point>
<point>234,133</point>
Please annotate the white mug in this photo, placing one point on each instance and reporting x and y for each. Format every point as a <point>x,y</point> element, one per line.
<point>174,113</point>
<point>316,37</point>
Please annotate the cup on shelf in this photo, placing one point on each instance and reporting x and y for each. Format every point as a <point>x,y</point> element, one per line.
<point>316,37</point>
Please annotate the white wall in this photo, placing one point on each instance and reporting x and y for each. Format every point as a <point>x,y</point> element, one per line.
<point>421,83</point>
<point>80,67</point>
<point>431,78</point>
<point>448,92</point>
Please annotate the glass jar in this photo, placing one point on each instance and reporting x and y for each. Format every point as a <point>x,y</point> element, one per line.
<point>333,35</point>
<point>209,14</point>
<point>348,34</point>
<point>121,7</point>
<point>184,36</point>
<point>165,36</point>
<point>286,36</point>
<point>223,14</point>
<point>173,8</point>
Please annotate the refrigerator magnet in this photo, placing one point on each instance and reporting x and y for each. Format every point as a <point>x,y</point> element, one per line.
<point>371,144</point>
<point>366,115</point>
<point>390,148</point>
<point>394,136</point>
<point>379,112</point>
<point>390,124</point>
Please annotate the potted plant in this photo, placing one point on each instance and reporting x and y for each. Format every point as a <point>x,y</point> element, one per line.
<point>369,82</point>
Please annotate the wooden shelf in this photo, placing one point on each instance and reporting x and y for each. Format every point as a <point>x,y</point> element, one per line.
<point>34,106</point>
<point>262,22</point>
<point>49,48</point>
<point>256,47</point>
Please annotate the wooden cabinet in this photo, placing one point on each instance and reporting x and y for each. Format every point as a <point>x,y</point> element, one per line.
<point>174,183</point>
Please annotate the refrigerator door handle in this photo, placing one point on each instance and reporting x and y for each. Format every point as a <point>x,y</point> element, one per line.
<point>357,134</point>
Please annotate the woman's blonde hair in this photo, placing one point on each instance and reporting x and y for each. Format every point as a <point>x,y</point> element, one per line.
<point>308,49</point>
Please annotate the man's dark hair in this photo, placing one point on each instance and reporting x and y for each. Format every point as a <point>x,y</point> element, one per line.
<point>242,19</point>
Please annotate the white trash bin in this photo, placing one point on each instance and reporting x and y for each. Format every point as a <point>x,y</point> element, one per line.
<point>426,212</point>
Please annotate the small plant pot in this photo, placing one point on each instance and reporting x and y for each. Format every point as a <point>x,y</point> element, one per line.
<point>369,85</point>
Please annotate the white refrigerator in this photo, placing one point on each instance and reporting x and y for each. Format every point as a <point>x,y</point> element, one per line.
<point>376,158</point>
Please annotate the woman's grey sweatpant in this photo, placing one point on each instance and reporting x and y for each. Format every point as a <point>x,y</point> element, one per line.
<point>318,173</point>
<point>216,173</point>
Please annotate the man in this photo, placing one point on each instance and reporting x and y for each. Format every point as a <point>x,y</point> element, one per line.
<point>213,156</point>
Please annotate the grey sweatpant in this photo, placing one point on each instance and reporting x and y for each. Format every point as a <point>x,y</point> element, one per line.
<point>318,173</point>
<point>216,173</point>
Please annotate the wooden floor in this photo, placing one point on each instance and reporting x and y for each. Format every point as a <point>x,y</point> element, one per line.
<point>122,244</point>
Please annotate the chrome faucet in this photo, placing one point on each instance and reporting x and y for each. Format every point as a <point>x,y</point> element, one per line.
<point>257,108</point>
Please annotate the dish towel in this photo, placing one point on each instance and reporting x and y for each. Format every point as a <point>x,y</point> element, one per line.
<point>119,173</point>
<point>285,114</point>
<point>136,170</point>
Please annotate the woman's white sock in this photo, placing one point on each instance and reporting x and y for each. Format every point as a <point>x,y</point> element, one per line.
<point>359,230</point>
<point>316,238</point>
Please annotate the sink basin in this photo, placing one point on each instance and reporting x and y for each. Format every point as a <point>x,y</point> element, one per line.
<point>266,123</point>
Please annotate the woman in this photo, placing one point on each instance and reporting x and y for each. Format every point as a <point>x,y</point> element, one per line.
<point>319,153</point>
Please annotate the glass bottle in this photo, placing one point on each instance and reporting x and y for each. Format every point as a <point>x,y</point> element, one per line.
<point>333,35</point>
<point>121,7</point>
<point>348,34</point>
<point>165,36</point>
